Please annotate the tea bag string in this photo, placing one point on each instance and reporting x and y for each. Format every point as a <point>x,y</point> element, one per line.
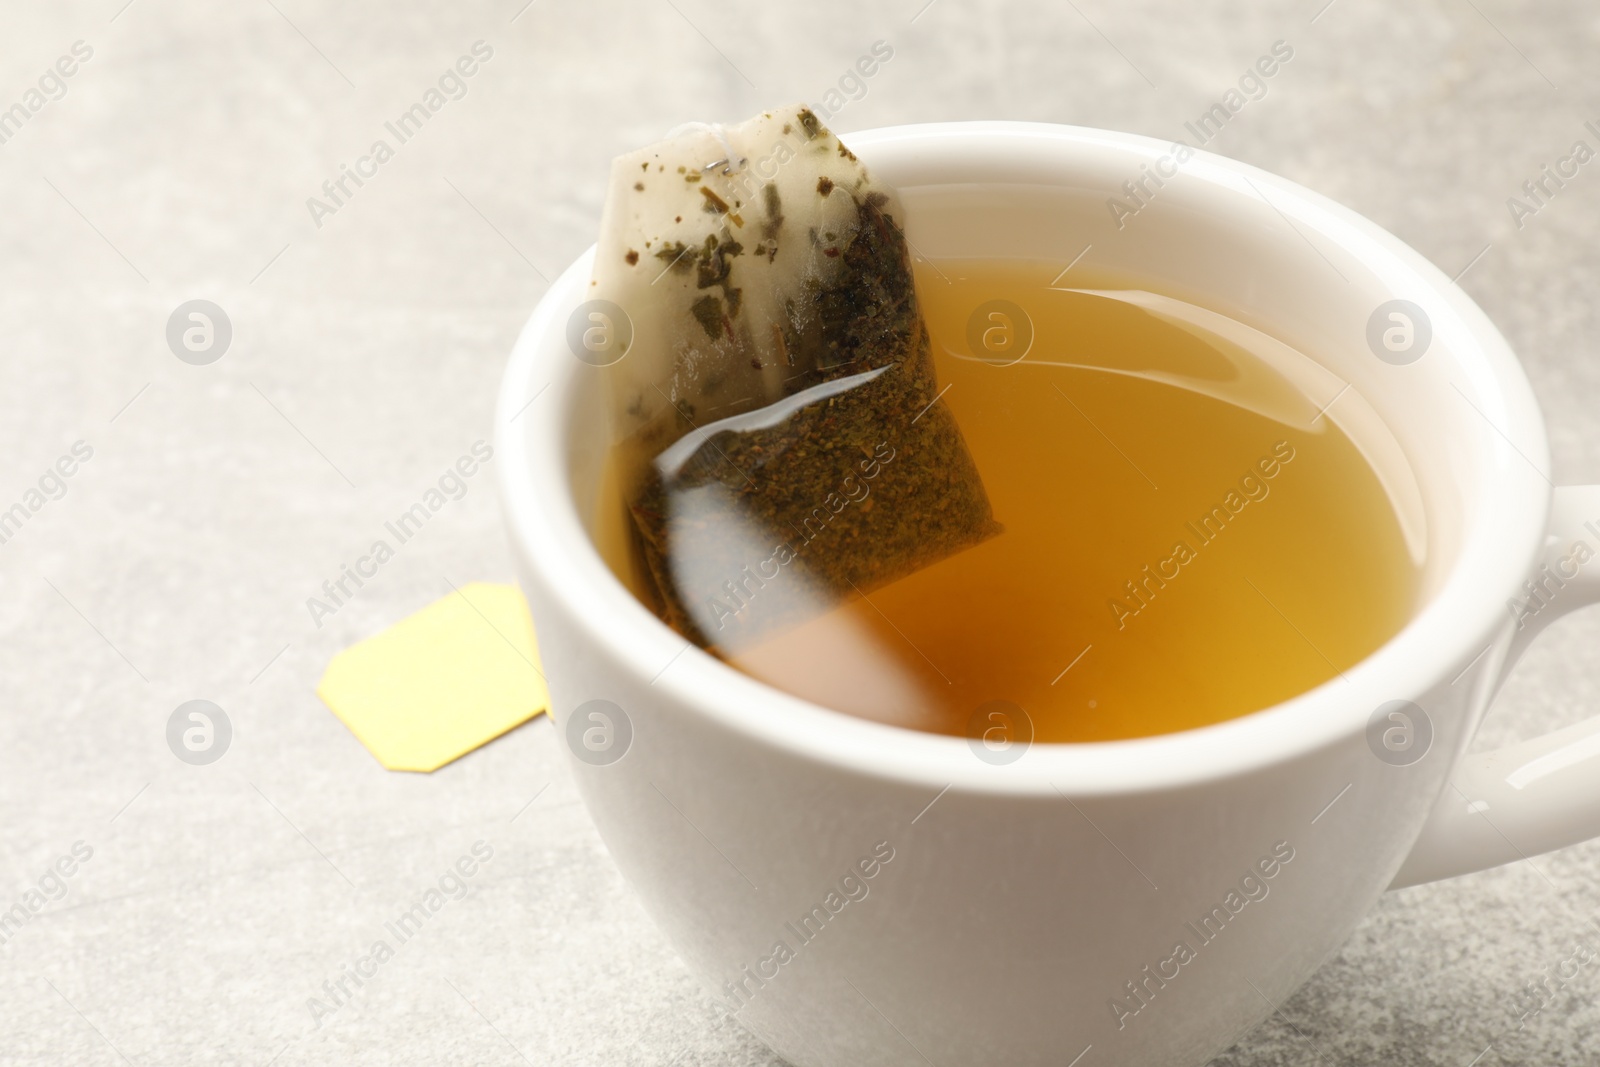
<point>730,160</point>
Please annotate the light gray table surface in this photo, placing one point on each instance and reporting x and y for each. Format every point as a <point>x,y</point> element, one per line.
<point>366,351</point>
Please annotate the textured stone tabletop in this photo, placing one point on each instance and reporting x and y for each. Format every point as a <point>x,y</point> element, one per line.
<point>208,905</point>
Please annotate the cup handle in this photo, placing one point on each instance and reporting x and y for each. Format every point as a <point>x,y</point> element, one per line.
<point>1535,795</point>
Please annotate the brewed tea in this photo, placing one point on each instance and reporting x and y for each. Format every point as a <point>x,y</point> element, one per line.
<point>1189,533</point>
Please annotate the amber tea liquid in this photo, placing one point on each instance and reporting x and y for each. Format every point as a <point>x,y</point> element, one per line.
<point>1189,535</point>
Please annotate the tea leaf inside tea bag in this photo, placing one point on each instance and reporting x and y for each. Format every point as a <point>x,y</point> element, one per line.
<point>780,442</point>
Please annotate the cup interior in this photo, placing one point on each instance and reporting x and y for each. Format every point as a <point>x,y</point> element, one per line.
<point>1452,430</point>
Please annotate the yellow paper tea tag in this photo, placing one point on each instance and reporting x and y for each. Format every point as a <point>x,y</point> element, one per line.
<point>439,683</point>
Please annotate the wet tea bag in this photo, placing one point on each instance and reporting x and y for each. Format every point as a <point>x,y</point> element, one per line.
<point>780,443</point>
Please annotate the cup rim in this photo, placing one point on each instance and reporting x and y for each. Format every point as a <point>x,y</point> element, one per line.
<point>1465,615</point>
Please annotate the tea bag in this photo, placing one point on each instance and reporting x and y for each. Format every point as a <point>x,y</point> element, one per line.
<point>780,440</point>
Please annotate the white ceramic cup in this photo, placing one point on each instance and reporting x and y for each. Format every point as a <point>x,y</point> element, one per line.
<point>857,893</point>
